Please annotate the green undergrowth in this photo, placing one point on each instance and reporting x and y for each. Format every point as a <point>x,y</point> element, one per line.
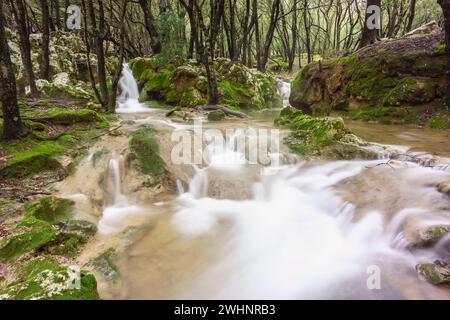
<point>68,130</point>
<point>44,279</point>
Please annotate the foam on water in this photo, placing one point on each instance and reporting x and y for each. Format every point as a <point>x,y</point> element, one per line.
<point>294,239</point>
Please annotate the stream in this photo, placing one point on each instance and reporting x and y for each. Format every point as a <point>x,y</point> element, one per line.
<point>289,229</point>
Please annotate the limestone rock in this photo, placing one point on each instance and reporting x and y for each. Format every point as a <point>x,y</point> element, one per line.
<point>437,273</point>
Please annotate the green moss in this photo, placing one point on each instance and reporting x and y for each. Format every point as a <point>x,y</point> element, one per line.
<point>71,236</point>
<point>236,94</point>
<point>216,115</point>
<point>52,209</point>
<point>287,116</point>
<point>414,90</point>
<point>143,144</point>
<point>311,135</point>
<point>69,117</point>
<point>29,235</point>
<point>367,81</point>
<point>44,279</point>
<point>440,49</point>
<point>438,121</point>
<point>377,114</point>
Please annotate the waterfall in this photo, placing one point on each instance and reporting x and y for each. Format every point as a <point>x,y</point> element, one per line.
<point>284,90</point>
<point>129,99</point>
<point>119,211</point>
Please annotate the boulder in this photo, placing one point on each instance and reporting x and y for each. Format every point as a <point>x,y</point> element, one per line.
<point>216,115</point>
<point>437,273</point>
<point>408,71</point>
<point>185,84</point>
<point>444,187</point>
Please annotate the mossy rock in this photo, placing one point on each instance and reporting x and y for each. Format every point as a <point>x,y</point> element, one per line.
<point>216,115</point>
<point>430,236</point>
<point>71,236</point>
<point>413,90</point>
<point>186,85</point>
<point>105,265</point>
<point>322,137</point>
<point>144,145</point>
<point>30,163</point>
<point>52,210</point>
<point>437,273</point>
<point>381,114</point>
<point>70,117</point>
<point>44,279</point>
<point>406,71</point>
<point>29,235</point>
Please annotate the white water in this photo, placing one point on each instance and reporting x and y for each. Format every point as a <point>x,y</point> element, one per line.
<point>120,213</point>
<point>284,90</point>
<point>129,99</point>
<point>293,240</point>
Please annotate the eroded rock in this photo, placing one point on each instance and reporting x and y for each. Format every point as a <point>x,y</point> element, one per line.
<point>437,273</point>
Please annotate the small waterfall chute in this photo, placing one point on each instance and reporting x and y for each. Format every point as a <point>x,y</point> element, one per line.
<point>129,99</point>
<point>119,212</point>
<point>284,90</point>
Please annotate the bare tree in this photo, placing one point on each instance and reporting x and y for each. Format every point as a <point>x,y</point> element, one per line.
<point>370,35</point>
<point>45,67</point>
<point>12,124</point>
<point>445,4</point>
<point>19,11</point>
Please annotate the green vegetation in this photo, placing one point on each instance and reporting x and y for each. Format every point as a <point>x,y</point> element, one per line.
<point>310,136</point>
<point>183,83</point>
<point>52,209</point>
<point>145,148</point>
<point>29,235</point>
<point>42,278</point>
<point>439,121</point>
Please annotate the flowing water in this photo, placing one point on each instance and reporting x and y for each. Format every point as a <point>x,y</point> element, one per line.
<point>288,229</point>
<point>129,98</point>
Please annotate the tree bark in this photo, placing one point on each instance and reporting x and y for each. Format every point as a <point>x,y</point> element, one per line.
<point>20,14</point>
<point>411,16</point>
<point>12,123</point>
<point>307,31</point>
<point>369,36</point>
<point>270,32</point>
<point>255,18</point>
<point>150,26</point>
<point>445,4</point>
<point>45,67</point>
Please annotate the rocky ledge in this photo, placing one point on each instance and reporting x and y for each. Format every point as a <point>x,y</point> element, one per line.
<point>400,80</point>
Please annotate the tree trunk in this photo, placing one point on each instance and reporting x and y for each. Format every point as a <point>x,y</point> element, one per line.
<point>411,16</point>
<point>257,35</point>
<point>370,36</point>
<point>245,36</point>
<point>150,26</point>
<point>57,8</point>
<point>294,31</point>
<point>307,31</point>
<point>445,4</point>
<point>270,32</point>
<point>20,14</point>
<point>45,67</point>
<point>12,124</point>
